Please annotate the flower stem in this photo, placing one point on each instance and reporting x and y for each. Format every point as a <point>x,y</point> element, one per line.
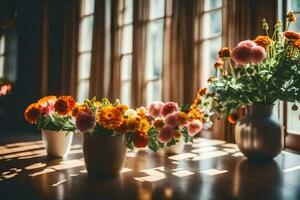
<point>231,68</point>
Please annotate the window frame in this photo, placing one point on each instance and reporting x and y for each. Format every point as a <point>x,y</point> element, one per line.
<point>2,55</point>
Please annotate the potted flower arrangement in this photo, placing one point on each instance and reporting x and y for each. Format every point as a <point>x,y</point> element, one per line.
<point>173,126</point>
<point>53,117</point>
<point>108,129</point>
<point>255,74</point>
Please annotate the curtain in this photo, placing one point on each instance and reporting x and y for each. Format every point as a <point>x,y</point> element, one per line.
<point>180,72</point>
<point>138,86</point>
<point>69,47</point>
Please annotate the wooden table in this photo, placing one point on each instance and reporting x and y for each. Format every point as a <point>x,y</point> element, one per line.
<point>207,169</point>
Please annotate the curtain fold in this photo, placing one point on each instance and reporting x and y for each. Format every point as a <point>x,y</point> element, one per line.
<point>138,86</point>
<point>180,78</point>
<point>70,45</point>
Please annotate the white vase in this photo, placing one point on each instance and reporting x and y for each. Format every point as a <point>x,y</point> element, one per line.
<point>57,144</point>
<point>173,149</point>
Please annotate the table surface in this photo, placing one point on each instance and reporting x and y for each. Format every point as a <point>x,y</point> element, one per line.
<point>207,169</point>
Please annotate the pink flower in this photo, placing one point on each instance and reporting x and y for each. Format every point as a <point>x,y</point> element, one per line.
<point>194,127</point>
<point>172,119</point>
<point>165,134</point>
<point>47,108</point>
<point>241,54</point>
<point>168,108</point>
<point>247,43</point>
<point>154,108</point>
<point>85,122</point>
<point>258,53</point>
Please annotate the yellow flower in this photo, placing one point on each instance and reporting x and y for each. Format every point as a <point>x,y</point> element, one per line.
<point>109,117</point>
<point>263,41</point>
<point>144,126</point>
<point>291,16</point>
<point>122,107</point>
<point>133,123</point>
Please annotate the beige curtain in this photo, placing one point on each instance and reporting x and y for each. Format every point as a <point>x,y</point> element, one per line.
<point>97,78</point>
<point>180,78</point>
<point>70,46</point>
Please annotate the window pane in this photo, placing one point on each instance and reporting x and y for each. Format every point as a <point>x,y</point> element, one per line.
<point>153,91</point>
<point>2,44</point>
<point>126,93</point>
<point>1,66</point>
<point>83,90</point>
<point>127,39</point>
<point>126,64</point>
<point>293,119</point>
<point>296,26</point>
<point>157,9</point>
<point>212,24</point>
<point>128,11</point>
<point>210,54</point>
<point>86,34</point>
<point>155,49</point>
<point>295,5</point>
<point>84,66</point>
<point>212,4</point>
<point>87,7</point>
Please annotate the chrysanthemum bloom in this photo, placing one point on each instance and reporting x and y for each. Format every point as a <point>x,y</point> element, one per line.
<point>85,122</point>
<point>202,91</point>
<point>291,35</point>
<point>123,128</point>
<point>225,52</point>
<point>183,119</point>
<point>130,112</point>
<point>144,126</point>
<point>168,108</point>
<point>172,119</point>
<point>297,44</point>
<point>32,113</point>
<point>219,64</point>
<point>122,107</point>
<point>133,123</point>
<point>140,139</point>
<point>109,117</point>
<point>158,123</point>
<point>64,105</point>
<point>154,108</point>
<point>263,41</point>
<point>258,53</point>
<point>194,127</point>
<point>291,16</point>
<point>165,134</point>
<point>241,54</point>
<point>195,114</point>
<point>142,112</point>
<point>247,43</point>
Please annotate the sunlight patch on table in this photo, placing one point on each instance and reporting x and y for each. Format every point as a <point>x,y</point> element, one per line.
<point>213,172</point>
<point>208,155</point>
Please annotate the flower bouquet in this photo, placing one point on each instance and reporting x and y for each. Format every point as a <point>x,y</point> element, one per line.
<point>53,117</point>
<point>255,74</point>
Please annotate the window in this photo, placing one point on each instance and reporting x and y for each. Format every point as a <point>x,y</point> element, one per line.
<point>125,26</point>
<point>154,56</point>
<point>85,48</point>
<point>293,117</point>
<point>209,22</point>
<point>2,54</point>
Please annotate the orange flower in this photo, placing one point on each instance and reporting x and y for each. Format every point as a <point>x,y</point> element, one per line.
<point>123,128</point>
<point>140,139</point>
<point>122,107</point>
<point>219,64</point>
<point>182,118</point>
<point>225,52</point>
<point>202,91</point>
<point>195,114</point>
<point>64,105</point>
<point>291,35</point>
<point>211,79</point>
<point>291,17</point>
<point>141,111</point>
<point>133,123</point>
<point>233,118</point>
<point>32,113</point>
<point>159,123</point>
<point>110,117</point>
<point>297,44</point>
<point>177,135</point>
<point>47,99</point>
<point>263,41</point>
<point>144,126</point>
<point>80,108</point>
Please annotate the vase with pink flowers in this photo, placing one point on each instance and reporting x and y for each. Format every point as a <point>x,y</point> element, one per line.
<point>255,74</point>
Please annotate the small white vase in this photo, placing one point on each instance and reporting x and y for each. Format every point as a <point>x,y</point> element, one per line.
<point>57,144</point>
<point>173,149</point>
